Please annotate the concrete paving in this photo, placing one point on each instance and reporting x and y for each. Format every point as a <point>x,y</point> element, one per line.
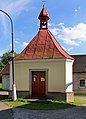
<point>4,93</point>
<point>20,113</point>
<point>5,111</point>
<point>4,106</point>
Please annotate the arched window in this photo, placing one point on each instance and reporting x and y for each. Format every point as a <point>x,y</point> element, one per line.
<point>44,24</point>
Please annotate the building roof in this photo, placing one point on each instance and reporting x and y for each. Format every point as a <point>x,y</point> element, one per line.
<point>79,65</point>
<point>6,70</point>
<point>43,45</point>
<point>43,13</point>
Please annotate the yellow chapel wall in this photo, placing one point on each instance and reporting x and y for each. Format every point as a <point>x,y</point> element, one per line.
<point>56,75</point>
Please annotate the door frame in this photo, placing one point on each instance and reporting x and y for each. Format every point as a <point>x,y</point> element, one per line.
<point>30,79</point>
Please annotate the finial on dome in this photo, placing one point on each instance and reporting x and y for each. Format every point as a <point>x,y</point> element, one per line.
<point>43,1</point>
<point>43,17</point>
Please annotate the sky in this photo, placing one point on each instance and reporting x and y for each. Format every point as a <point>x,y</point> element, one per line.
<point>67,23</point>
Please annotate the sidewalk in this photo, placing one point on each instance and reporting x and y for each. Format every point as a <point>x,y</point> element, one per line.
<point>4,106</point>
<point>5,93</point>
<point>5,111</point>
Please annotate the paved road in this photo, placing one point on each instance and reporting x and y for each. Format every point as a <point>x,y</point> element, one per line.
<point>72,113</point>
<point>18,113</point>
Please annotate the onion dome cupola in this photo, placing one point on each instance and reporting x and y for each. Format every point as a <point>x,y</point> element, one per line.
<point>43,17</point>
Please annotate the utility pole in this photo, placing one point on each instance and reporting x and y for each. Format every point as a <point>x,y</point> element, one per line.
<point>14,95</point>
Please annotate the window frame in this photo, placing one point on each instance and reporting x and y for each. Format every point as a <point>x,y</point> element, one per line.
<point>84,83</point>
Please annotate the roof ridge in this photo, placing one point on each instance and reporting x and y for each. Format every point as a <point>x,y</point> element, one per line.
<point>35,45</point>
<point>59,46</point>
<point>45,43</point>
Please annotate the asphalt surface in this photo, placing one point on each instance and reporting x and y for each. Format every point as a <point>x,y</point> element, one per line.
<point>71,113</point>
<point>19,113</point>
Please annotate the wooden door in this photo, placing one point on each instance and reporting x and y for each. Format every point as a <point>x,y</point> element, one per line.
<point>38,84</point>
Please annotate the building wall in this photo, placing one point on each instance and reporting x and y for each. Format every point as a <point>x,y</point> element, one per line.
<point>56,75</point>
<point>76,82</point>
<point>5,82</point>
<point>69,76</point>
<point>0,79</point>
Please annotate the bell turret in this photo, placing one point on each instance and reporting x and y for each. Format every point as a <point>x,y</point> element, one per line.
<point>44,17</point>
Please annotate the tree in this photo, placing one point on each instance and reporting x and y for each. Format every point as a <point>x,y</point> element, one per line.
<point>6,57</point>
<point>1,65</point>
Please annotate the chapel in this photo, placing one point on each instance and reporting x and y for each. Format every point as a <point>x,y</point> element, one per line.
<point>43,69</point>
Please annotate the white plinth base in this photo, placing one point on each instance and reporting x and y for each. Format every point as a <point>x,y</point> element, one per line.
<point>14,95</point>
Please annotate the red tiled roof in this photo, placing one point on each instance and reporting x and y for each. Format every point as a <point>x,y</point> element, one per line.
<point>43,13</point>
<point>43,46</point>
<point>79,65</point>
<point>6,70</point>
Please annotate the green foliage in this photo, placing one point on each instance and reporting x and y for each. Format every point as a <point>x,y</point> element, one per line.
<point>0,85</point>
<point>39,105</point>
<point>79,102</point>
<point>43,104</point>
<point>6,57</point>
<point>21,100</point>
<point>1,65</point>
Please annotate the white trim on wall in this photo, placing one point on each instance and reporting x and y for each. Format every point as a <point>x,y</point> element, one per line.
<point>45,60</point>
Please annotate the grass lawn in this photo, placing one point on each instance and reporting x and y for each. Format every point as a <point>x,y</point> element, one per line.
<point>79,102</point>
<point>80,99</point>
<point>43,104</point>
<point>0,86</point>
<point>39,105</point>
